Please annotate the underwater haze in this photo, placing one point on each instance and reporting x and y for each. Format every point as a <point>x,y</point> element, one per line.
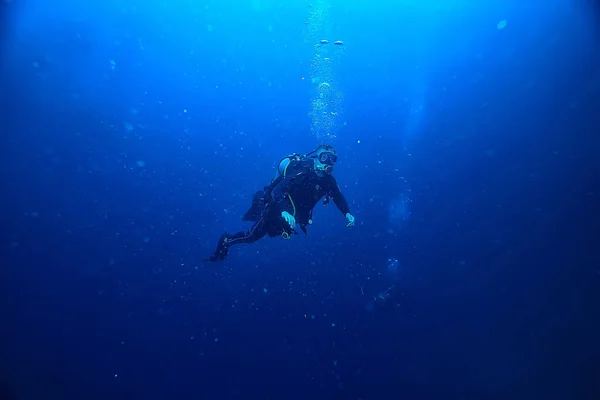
<point>134,133</point>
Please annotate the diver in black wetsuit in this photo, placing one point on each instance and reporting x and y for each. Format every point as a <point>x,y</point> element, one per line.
<point>289,199</point>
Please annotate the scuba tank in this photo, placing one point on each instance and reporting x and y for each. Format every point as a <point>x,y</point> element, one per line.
<point>285,161</point>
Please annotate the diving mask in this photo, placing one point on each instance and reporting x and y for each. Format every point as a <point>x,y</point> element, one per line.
<point>327,158</point>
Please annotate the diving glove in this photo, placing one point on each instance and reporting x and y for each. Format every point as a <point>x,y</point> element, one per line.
<point>289,218</point>
<point>350,219</point>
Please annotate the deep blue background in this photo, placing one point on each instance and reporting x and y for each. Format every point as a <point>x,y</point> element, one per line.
<point>104,294</point>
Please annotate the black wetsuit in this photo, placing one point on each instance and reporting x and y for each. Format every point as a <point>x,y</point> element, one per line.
<point>297,191</point>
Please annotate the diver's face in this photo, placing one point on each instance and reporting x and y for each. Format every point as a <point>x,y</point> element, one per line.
<point>327,158</point>
<point>322,168</point>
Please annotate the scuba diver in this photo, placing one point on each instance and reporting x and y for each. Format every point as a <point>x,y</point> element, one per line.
<point>289,199</point>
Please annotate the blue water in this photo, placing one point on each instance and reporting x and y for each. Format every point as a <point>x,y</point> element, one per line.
<point>134,133</point>
<point>392,267</point>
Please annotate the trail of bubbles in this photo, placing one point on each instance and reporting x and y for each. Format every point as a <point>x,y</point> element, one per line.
<point>327,104</point>
<point>318,14</point>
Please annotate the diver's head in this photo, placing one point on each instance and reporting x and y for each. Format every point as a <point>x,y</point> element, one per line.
<point>325,158</point>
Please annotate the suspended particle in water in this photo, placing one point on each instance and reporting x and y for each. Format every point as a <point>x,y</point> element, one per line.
<point>392,266</point>
<point>501,25</point>
<point>324,41</point>
<point>399,213</point>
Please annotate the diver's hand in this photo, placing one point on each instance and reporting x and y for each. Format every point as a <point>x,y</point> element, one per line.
<point>289,218</point>
<point>350,219</point>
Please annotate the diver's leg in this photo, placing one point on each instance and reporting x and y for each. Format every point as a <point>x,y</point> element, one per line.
<point>257,208</point>
<point>226,240</point>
